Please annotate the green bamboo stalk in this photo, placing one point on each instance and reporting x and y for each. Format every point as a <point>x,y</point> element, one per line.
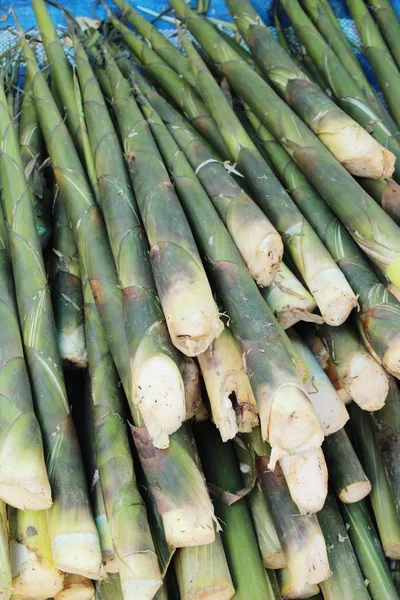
<point>23,477</point>
<point>211,173</point>
<point>86,148</point>
<point>261,339</point>
<point>86,221</point>
<point>61,71</point>
<point>387,427</point>
<point>356,209</point>
<point>329,407</point>
<point>386,192</point>
<point>379,310</point>
<point>158,389</point>
<point>237,46</point>
<point>300,536</point>
<point>240,543</point>
<point>5,566</point>
<point>76,587</point>
<point>288,591</point>
<point>182,94</point>
<point>130,72</point>
<point>73,534</point>
<point>158,42</point>
<point>381,497</point>
<point>232,402</point>
<point>352,145</point>
<point>185,294</point>
<point>177,124</point>
<point>345,470</point>
<point>336,300</point>
<point>34,573</point>
<point>378,54</point>
<point>346,580</point>
<point>96,492</point>
<point>32,146</point>
<point>268,542</point>
<point>368,550</point>
<point>323,17</point>
<point>178,488</point>
<point>286,296</point>
<point>202,572</point>
<point>126,513</point>
<point>257,240</point>
<point>280,29</point>
<point>394,568</point>
<point>175,501</point>
<point>351,90</point>
<point>109,589</point>
<point>389,26</point>
<point>66,289</point>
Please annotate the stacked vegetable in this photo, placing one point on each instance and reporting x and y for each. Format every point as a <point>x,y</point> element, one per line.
<point>200,292</point>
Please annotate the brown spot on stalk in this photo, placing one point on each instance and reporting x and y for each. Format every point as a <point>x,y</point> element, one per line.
<point>95,215</point>
<point>129,293</point>
<point>391,197</point>
<point>146,449</point>
<point>155,251</point>
<point>31,531</point>
<point>166,184</point>
<point>306,157</point>
<point>96,285</point>
<point>130,156</point>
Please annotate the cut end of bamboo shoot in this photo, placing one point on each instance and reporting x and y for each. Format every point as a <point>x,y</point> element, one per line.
<point>307,479</point>
<point>334,296</point>
<point>160,397</point>
<point>355,492</point>
<point>357,151</point>
<point>275,561</point>
<point>24,482</point>
<point>142,578</point>
<point>289,300</point>
<point>391,360</point>
<point>266,258</point>
<point>366,381</point>
<point>185,529</point>
<point>374,165</point>
<point>232,401</point>
<point>293,425</point>
<point>76,588</point>
<point>110,565</point>
<point>202,572</point>
<point>392,551</point>
<point>289,592</point>
<point>26,495</point>
<point>215,593</point>
<point>32,577</point>
<point>192,317</point>
<point>78,553</point>
<point>318,564</point>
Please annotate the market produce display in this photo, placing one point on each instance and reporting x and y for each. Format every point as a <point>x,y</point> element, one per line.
<point>200,304</point>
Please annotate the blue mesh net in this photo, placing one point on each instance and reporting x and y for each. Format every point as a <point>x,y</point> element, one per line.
<point>151,8</point>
